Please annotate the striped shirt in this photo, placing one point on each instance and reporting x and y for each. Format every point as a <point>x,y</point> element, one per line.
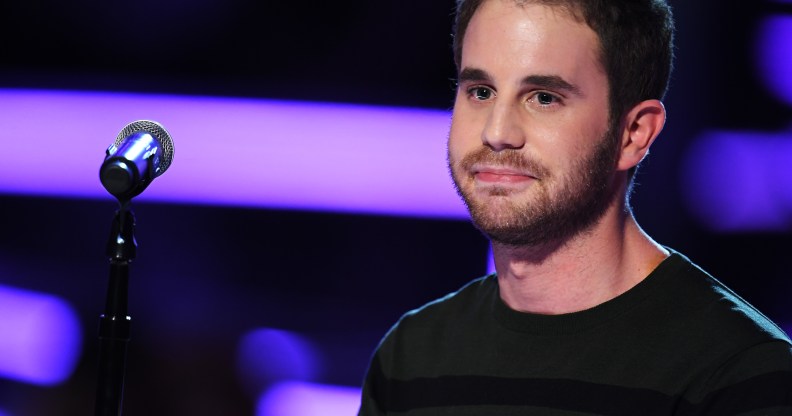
<point>678,343</point>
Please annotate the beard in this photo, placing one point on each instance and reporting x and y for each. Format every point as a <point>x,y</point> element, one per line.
<point>581,197</point>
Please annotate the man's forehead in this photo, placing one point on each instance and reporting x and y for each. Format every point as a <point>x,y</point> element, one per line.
<point>571,9</point>
<point>542,39</point>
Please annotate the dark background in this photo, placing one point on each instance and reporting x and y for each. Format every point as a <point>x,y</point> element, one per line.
<point>206,275</point>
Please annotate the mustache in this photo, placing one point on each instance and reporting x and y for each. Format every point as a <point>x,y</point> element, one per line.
<point>510,158</point>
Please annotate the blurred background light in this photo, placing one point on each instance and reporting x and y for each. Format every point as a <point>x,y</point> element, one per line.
<point>490,261</point>
<point>309,399</point>
<point>267,356</point>
<point>281,368</point>
<point>775,55</point>
<point>740,181</point>
<point>245,152</point>
<point>40,337</point>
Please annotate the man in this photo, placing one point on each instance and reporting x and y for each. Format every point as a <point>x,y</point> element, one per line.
<point>557,103</point>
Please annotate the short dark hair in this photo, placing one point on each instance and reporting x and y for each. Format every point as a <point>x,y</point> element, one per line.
<point>636,41</point>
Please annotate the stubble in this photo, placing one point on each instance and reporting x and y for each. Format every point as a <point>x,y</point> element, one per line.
<point>564,204</point>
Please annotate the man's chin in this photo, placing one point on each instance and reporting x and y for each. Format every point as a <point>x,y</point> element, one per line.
<point>516,238</point>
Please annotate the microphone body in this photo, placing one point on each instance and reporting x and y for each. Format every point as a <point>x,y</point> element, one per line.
<point>142,151</point>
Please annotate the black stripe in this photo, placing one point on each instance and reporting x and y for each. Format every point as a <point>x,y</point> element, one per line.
<point>773,390</point>
<point>572,395</point>
<point>766,391</point>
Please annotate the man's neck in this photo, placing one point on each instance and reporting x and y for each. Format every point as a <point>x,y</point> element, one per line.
<point>591,268</point>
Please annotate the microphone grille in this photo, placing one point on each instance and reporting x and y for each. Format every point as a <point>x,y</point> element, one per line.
<point>159,133</point>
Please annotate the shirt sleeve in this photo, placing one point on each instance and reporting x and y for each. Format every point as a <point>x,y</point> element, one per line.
<point>757,381</point>
<point>371,402</point>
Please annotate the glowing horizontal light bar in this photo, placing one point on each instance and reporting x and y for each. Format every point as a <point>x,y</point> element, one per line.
<point>308,399</point>
<point>740,181</point>
<point>40,337</point>
<point>775,60</point>
<point>236,151</point>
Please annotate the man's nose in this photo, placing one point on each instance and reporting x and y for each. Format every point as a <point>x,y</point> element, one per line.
<point>503,129</point>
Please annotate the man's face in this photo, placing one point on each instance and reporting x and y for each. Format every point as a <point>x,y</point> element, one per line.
<point>530,148</point>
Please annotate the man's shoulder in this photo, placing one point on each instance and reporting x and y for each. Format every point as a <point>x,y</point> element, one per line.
<point>460,307</point>
<point>474,295</point>
<point>723,307</point>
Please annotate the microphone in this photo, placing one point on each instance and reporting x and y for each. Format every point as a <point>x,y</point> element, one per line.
<point>142,151</point>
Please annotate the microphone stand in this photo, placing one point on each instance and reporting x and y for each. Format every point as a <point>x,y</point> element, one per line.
<point>114,324</point>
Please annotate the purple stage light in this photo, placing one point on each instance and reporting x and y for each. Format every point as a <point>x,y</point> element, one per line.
<point>259,153</point>
<point>309,399</point>
<point>740,181</point>
<point>40,337</point>
<point>775,55</point>
<point>266,356</point>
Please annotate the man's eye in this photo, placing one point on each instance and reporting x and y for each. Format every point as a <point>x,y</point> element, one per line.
<point>544,98</point>
<point>480,93</point>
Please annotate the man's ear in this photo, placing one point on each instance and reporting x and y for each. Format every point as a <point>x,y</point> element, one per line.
<point>642,125</point>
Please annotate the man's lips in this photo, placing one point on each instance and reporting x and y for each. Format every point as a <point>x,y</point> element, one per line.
<point>500,175</point>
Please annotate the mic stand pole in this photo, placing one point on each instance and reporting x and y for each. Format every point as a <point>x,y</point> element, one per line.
<point>114,324</point>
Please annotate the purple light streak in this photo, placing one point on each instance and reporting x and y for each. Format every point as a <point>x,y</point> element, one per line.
<point>40,337</point>
<point>309,399</point>
<point>775,55</point>
<point>258,153</point>
<point>740,181</point>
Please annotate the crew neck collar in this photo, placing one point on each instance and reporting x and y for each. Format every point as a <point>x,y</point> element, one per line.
<point>589,319</point>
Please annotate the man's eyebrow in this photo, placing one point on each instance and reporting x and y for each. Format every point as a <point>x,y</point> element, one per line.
<point>551,82</point>
<point>473,75</point>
